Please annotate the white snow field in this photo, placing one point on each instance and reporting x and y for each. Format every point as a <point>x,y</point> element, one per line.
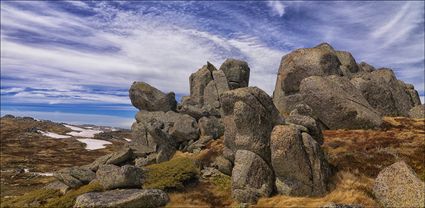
<point>93,144</point>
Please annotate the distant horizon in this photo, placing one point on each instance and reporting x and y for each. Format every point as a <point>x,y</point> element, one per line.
<point>74,61</point>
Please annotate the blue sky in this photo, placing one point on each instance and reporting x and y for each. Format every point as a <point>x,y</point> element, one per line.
<point>74,61</point>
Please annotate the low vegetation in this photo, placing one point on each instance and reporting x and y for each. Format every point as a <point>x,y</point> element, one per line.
<point>172,174</point>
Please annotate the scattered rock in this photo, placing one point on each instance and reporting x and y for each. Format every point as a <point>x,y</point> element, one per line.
<point>75,177</point>
<point>59,186</point>
<point>128,198</point>
<point>398,186</point>
<point>144,161</point>
<point>252,177</point>
<point>112,176</point>
<point>417,111</point>
<point>237,73</point>
<point>145,97</point>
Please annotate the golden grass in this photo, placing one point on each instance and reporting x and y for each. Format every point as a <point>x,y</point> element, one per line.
<point>31,199</point>
<point>349,189</point>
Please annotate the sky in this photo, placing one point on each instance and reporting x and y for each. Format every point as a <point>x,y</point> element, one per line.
<point>73,61</point>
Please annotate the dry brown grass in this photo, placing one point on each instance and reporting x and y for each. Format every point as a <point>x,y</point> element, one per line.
<point>349,189</point>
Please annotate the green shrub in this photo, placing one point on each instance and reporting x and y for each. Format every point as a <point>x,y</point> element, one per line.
<point>222,182</point>
<point>68,200</point>
<point>34,198</point>
<point>172,174</point>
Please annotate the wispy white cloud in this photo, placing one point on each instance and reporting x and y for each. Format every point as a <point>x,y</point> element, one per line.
<point>277,7</point>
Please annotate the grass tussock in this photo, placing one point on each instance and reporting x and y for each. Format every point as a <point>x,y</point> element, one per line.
<point>348,189</point>
<point>35,198</point>
<point>68,200</point>
<point>172,174</point>
<point>215,192</point>
<point>47,198</point>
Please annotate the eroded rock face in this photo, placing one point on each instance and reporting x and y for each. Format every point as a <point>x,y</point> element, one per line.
<point>249,118</point>
<point>112,176</point>
<point>145,97</point>
<point>365,67</point>
<point>115,158</point>
<point>125,198</point>
<point>399,186</point>
<point>417,111</point>
<point>252,177</point>
<point>298,163</point>
<point>75,177</point>
<point>347,61</point>
<point>211,126</point>
<point>237,73</point>
<point>337,103</point>
<point>310,123</point>
<point>384,92</point>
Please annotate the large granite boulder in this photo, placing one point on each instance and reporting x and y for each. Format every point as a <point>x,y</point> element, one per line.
<point>299,64</point>
<point>237,73</point>
<point>337,103</point>
<point>145,97</point>
<point>417,111</point>
<point>252,177</point>
<point>123,198</point>
<point>215,88</point>
<point>399,186</point>
<point>75,177</point>
<point>384,92</point>
<point>310,123</point>
<point>112,176</point>
<point>298,163</point>
<point>199,81</point>
<point>249,117</point>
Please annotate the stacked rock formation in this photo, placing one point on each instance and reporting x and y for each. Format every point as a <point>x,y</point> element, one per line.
<point>342,93</point>
<point>162,126</point>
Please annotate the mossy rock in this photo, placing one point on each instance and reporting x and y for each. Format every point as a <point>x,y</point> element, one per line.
<point>171,175</point>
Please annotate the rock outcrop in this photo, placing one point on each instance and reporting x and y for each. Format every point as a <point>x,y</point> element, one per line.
<point>357,94</point>
<point>237,73</point>
<point>399,186</point>
<point>145,97</point>
<point>125,198</point>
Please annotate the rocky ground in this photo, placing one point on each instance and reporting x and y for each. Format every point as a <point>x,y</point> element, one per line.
<point>28,158</point>
<point>359,155</point>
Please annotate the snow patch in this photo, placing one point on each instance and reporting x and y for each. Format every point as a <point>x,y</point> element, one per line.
<point>80,132</point>
<point>128,140</point>
<point>53,135</point>
<point>93,144</point>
